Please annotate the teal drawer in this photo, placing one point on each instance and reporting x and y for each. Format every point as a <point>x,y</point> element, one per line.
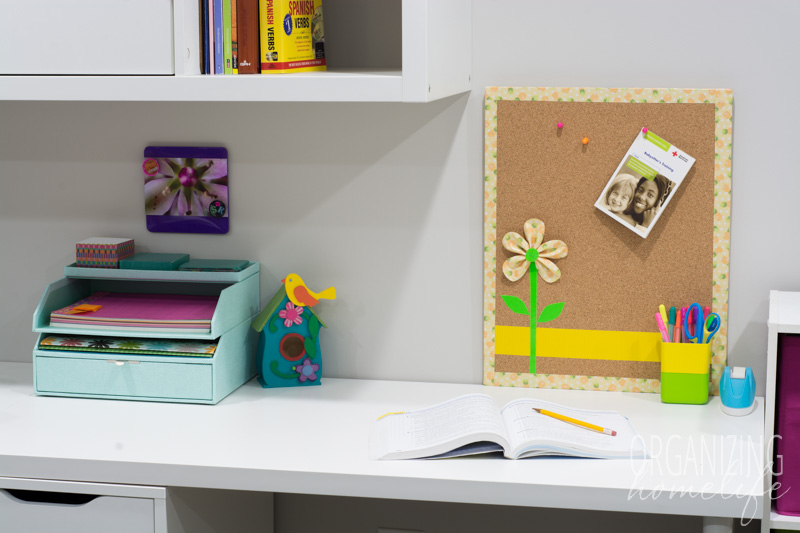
<point>132,379</point>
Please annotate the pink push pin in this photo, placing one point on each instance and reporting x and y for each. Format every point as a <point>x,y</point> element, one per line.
<point>644,130</point>
<point>560,125</point>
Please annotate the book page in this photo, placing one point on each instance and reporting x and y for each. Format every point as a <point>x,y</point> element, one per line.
<point>532,433</point>
<point>438,429</point>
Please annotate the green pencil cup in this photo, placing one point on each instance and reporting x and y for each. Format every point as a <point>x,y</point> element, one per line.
<point>685,372</point>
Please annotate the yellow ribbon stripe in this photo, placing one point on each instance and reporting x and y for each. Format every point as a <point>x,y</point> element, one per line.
<point>580,343</point>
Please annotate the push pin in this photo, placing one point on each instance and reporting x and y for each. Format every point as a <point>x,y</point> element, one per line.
<point>644,130</point>
<point>560,125</point>
<point>585,141</point>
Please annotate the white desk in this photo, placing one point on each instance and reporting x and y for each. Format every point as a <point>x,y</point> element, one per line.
<point>314,440</point>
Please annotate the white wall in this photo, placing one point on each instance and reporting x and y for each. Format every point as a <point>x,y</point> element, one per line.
<point>384,201</point>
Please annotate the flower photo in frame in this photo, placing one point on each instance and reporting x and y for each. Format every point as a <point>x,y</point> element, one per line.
<point>186,189</point>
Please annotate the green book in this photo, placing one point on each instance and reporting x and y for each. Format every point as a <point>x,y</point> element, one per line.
<point>215,265</point>
<point>227,37</point>
<point>151,261</point>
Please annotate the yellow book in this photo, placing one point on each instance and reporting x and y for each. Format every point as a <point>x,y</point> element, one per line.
<point>292,36</point>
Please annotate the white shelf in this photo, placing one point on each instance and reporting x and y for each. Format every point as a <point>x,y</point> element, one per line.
<point>779,521</point>
<point>351,85</point>
<point>431,38</point>
<point>784,311</point>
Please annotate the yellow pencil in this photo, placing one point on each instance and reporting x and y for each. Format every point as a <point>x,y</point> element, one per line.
<point>576,422</point>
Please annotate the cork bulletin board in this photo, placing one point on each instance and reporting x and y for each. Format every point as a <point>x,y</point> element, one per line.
<point>610,280</point>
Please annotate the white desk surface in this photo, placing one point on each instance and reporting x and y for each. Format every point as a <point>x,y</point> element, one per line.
<point>314,440</point>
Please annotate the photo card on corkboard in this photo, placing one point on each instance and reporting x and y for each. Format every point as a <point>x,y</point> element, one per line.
<point>570,293</point>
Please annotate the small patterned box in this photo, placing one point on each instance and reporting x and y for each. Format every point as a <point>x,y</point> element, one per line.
<point>102,252</point>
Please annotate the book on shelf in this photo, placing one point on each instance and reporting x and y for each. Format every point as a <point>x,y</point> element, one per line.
<point>292,36</point>
<point>219,52</point>
<point>476,424</point>
<point>234,38</point>
<point>262,36</point>
<point>209,29</point>
<point>226,36</point>
<point>204,38</point>
<point>247,27</point>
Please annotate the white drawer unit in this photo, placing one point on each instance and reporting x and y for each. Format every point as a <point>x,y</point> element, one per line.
<point>100,37</point>
<point>34,506</point>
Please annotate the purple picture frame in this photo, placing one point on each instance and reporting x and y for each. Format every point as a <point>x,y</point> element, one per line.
<point>186,189</point>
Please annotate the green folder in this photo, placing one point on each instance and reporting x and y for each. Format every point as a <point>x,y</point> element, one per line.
<point>150,261</point>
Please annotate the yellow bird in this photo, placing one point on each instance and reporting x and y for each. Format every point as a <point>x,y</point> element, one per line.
<point>300,295</point>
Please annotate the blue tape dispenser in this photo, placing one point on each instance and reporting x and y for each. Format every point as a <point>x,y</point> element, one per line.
<point>737,390</point>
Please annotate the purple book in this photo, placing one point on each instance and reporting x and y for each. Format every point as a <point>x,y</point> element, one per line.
<point>219,65</point>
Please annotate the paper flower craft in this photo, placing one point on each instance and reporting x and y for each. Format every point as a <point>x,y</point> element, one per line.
<point>307,370</point>
<point>291,314</point>
<point>531,250</point>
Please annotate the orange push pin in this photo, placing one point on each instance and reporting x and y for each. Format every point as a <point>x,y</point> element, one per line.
<point>585,140</point>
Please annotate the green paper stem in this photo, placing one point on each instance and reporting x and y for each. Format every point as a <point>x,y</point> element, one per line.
<point>273,328</point>
<point>533,315</point>
<point>274,367</point>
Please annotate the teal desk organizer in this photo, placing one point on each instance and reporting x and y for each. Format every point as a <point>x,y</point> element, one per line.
<point>143,377</point>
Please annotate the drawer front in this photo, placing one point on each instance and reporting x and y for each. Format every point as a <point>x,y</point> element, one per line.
<point>35,513</point>
<point>101,377</point>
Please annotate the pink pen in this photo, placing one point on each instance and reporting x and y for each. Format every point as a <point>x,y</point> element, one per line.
<point>706,312</point>
<point>676,330</point>
<point>661,327</point>
<point>680,329</point>
<point>683,317</point>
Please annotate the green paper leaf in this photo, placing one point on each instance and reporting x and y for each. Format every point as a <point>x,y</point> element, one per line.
<point>311,348</point>
<point>551,312</point>
<point>313,326</point>
<point>515,304</point>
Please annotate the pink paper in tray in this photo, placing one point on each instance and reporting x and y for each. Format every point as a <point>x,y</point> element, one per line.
<point>143,308</point>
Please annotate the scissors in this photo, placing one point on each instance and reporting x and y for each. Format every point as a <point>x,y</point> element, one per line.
<point>701,326</point>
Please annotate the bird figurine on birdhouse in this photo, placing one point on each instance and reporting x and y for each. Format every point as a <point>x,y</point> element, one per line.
<point>288,327</point>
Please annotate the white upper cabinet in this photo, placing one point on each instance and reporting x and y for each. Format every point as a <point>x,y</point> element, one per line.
<point>150,50</point>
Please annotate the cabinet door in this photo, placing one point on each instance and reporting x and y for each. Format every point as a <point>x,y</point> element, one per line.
<point>86,37</point>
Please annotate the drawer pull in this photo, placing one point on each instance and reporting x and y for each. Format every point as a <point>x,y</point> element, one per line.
<point>40,496</point>
<point>121,363</point>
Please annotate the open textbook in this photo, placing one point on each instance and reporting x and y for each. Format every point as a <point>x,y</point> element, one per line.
<point>475,424</point>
